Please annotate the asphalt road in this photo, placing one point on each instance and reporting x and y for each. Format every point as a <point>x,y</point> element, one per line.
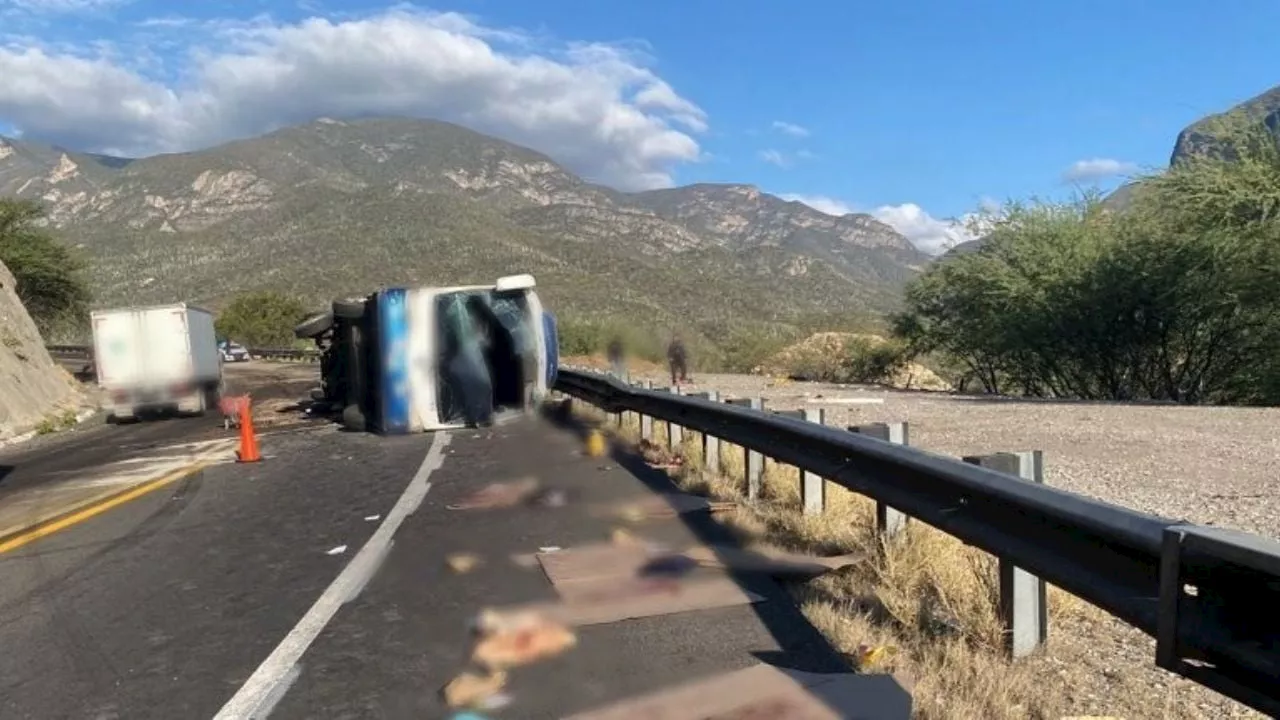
<point>95,443</point>
<point>161,607</point>
<point>316,579</point>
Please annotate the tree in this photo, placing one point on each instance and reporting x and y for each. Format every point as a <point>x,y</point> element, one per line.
<point>261,319</point>
<point>1072,300</point>
<point>51,278</point>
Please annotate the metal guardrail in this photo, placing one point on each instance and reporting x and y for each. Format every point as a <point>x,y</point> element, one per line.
<point>1208,595</point>
<point>277,354</point>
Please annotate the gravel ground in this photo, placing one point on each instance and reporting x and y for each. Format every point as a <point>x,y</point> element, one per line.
<point>1216,466</point>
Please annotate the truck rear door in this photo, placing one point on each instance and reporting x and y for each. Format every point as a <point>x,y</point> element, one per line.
<point>118,349</point>
<point>167,342</point>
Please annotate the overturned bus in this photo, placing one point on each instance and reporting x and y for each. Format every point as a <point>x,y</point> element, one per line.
<point>407,360</point>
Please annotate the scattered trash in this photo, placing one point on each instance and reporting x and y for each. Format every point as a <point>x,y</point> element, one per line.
<point>498,495</point>
<point>462,562</point>
<point>761,692</point>
<point>525,560</point>
<point>372,518</point>
<point>669,565</point>
<point>470,689</point>
<point>595,444</point>
<point>770,561</point>
<point>549,549</point>
<point>671,464</point>
<point>622,536</point>
<point>871,655</point>
<point>491,621</point>
<point>524,645</point>
<point>667,505</point>
<point>495,701</point>
<point>338,550</point>
<point>551,498</point>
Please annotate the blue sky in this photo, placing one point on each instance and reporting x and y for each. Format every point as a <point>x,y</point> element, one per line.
<point>916,111</point>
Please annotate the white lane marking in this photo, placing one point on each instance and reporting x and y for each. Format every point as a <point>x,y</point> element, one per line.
<point>256,698</point>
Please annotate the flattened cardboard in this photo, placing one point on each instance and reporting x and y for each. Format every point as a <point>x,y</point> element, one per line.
<point>665,505</point>
<point>609,601</point>
<point>763,691</point>
<point>769,561</point>
<point>590,562</point>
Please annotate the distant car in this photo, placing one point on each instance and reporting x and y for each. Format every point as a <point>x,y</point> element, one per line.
<point>233,352</point>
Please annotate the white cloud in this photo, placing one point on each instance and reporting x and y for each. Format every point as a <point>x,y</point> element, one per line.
<point>821,203</point>
<point>785,160</point>
<point>596,108</point>
<point>929,234</point>
<point>775,157</point>
<point>58,6</point>
<point>1096,169</point>
<point>791,129</point>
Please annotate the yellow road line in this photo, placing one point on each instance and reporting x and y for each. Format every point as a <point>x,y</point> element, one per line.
<point>75,517</point>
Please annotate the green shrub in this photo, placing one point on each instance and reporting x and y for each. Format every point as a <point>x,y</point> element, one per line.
<point>50,277</point>
<point>261,319</point>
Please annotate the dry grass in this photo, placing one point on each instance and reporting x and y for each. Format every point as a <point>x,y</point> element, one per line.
<point>930,601</point>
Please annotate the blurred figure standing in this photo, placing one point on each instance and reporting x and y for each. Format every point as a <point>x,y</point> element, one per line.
<point>617,358</point>
<point>678,360</point>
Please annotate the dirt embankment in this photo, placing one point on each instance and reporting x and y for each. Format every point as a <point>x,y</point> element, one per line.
<point>822,355</point>
<point>35,392</point>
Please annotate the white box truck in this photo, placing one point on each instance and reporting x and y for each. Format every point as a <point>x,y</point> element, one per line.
<point>157,358</point>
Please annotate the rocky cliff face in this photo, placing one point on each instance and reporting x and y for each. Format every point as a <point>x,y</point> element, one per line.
<point>33,388</point>
<point>1200,138</point>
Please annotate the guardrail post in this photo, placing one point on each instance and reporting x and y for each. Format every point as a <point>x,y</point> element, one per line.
<point>675,433</point>
<point>646,422</point>
<point>710,443</point>
<point>813,487</point>
<point>1023,601</point>
<point>753,460</point>
<point>889,522</point>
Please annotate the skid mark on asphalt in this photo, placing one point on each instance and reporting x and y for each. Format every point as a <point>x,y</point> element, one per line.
<point>64,492</point>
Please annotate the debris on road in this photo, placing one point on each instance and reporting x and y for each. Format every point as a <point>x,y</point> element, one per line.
<point>768,560</point>
<point>550,498</point>
<point>595,444</point>
<point>538,639</point>
<point>337,551</point>
<point>491,621</point>
<point>762,692</point>
<point>498,495</point>
<point>871,655</point>
<point>471,689</point>
<point>622,536</point>
<point>666,505</point>
<point>527,561</point>
<point>372,518</point>
<point>462,563</point>
<point>611,600</point>
<point>549,549</point>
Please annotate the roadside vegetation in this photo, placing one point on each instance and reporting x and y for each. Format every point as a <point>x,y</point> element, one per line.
<point>921,607</point>
<point>1172,298</point>
<point>51,277</point>
<point>261,319</point>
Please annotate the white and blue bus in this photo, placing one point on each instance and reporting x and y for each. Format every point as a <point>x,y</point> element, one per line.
<point>451,357</point>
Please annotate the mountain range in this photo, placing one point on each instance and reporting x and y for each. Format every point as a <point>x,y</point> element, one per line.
<point>334,208</point>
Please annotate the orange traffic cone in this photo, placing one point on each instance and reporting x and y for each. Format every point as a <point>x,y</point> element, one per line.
<point>248,438</point>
